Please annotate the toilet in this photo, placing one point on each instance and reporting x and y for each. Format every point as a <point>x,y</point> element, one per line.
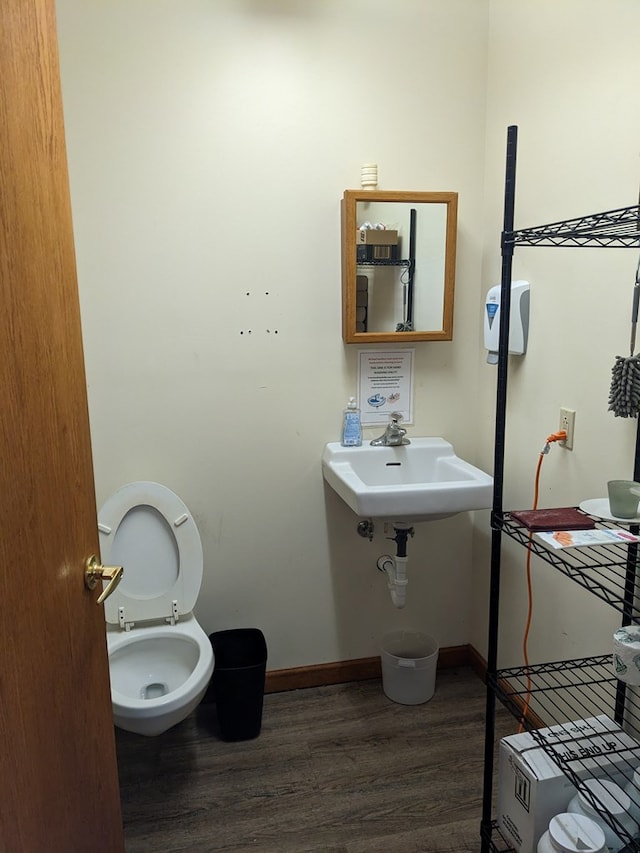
<point>160,659</point>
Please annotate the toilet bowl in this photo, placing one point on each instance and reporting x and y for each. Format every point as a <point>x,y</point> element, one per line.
<point>160,659</point>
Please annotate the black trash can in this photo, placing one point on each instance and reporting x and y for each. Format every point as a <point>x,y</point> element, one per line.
<point>238,681</point>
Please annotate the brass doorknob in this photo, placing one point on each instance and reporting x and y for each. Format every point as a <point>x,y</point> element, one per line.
<point>94,572</point>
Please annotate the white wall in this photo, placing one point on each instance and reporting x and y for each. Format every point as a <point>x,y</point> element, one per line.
<point>209,147</point>
<point>567,74</point>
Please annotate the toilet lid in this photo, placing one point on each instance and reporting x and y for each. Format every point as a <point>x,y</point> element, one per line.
<point>147,529</point>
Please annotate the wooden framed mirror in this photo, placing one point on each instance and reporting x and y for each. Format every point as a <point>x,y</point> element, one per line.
<point>398,266</point>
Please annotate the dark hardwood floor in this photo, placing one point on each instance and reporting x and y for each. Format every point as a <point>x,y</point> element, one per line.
<point>338,769</point>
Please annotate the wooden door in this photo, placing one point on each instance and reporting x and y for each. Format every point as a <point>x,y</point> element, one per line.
<point>58,782</point>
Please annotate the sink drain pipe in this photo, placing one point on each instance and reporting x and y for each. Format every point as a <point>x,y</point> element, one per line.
<point>395,568</point>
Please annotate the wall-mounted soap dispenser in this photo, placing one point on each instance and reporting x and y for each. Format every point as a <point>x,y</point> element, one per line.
<point>518,320</point>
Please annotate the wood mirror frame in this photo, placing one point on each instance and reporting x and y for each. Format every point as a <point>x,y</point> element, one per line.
<point>442,331</point>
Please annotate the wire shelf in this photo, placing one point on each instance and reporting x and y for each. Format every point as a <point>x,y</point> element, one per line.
<point>562,691</point>
<point>607,571</point>
<point>618,228</point>
<point>383,262</point>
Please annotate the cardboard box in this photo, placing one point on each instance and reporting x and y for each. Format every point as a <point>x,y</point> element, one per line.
<point>531,786</point>
<point>376,237</point>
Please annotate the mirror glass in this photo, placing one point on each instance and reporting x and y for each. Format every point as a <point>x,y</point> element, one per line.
<point>398,266</point>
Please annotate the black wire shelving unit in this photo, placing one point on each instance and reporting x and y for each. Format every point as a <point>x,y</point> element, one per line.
<point>553,694</point>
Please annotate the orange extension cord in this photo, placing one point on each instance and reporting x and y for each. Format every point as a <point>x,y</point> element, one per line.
<point>556,436</point>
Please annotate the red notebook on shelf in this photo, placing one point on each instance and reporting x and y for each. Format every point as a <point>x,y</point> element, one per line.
<point>556,518</point>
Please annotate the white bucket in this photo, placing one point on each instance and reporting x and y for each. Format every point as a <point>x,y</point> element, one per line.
<point>409,661</point>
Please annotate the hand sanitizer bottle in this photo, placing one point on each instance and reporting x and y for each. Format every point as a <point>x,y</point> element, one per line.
<point>351,425</point>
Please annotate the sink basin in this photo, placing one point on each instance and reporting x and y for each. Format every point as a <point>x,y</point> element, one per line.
<point>421,481</point>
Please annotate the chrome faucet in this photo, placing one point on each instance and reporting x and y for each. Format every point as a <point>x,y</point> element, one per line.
<point>394,435</point>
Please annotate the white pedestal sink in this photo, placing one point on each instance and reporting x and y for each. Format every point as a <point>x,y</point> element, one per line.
<point>421,481</point>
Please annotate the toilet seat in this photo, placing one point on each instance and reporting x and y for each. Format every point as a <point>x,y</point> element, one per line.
<point>146,528</point>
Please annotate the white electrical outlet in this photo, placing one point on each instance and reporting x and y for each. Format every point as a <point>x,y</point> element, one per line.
<point>567,423</point>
